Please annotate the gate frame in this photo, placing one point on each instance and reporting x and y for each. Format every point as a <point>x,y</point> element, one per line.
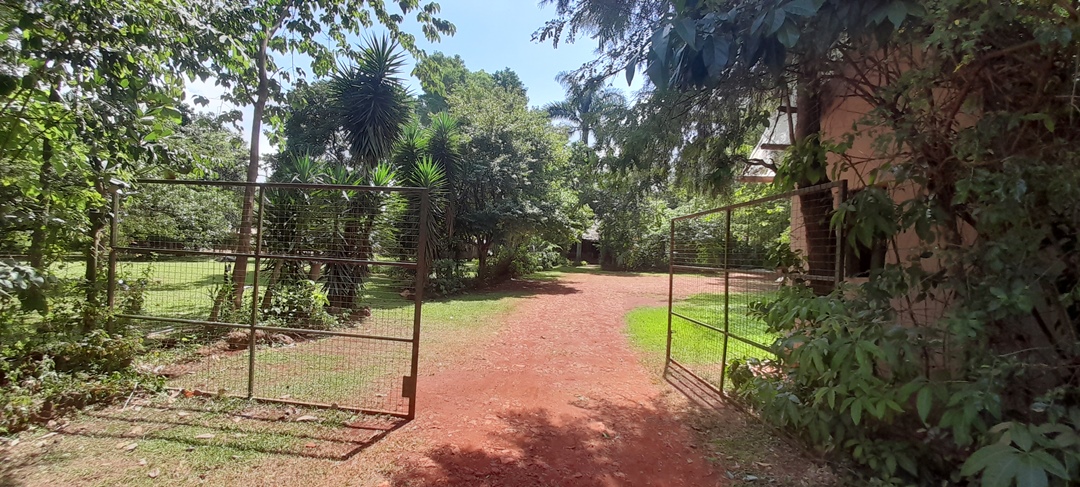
<point>836,278</point>
<point>408,386</point>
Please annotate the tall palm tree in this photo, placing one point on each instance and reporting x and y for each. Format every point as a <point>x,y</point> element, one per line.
<point>588,104</point>
<point>374,107</point>
<point>372,101</point>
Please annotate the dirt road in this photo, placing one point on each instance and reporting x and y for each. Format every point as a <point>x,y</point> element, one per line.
<point>556,397</point>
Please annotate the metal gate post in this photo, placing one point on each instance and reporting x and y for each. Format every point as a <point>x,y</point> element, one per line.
<point>255,293</point>
<point>727,297</point>
<point>670,294</point>
<point>110,293</point>
<point>418,297</point>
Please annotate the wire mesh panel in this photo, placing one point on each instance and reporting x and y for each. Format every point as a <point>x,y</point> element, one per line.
<point>321,305</point>
<point>729,262</point>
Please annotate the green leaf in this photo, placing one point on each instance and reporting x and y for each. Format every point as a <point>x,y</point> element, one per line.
<point>924,402</point>
<point>856,411</point>
<point>687,30</point>
<point>788,35</point>
<point>1049,463</point>
<point>778,19</point>
<point>721,49</point>
<point>1030,474</point>
<point>802,8</point>
<point>897,12</point>
<point>1021,436</point>
<point>984,457</point>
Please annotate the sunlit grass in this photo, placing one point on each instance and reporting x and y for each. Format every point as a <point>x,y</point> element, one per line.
<point>696,344</point>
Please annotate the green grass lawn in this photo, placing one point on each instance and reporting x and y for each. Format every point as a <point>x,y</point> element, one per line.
<point>693,345</point>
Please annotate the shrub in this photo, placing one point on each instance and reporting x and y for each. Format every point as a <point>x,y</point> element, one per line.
<point>299,304</point>
<point>449,277</point>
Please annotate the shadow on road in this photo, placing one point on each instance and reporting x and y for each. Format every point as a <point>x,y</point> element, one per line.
<point>613,444</point>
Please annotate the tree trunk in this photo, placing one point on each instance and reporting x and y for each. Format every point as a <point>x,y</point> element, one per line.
<point>40,234</point>
<point>268,296</point>
<point>243,244</point>
<point>482,250</point>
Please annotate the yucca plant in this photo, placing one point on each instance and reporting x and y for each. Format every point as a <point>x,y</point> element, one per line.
<point>373,106</point>
<point>444,146</point>
<point>372,101</point>
<point>429,174</point>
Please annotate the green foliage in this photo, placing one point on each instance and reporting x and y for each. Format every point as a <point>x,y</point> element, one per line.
<point>532,257</point>
<point>512,185</point>
<point>186,216</point>
<point>299,304</point>
<point>449,277</point>
<point>22,283</point>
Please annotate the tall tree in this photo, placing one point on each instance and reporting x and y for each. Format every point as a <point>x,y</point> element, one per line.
<point>513,170</point>
<point>587,104</point>
<point>373,107</point>
<point>438,74</point>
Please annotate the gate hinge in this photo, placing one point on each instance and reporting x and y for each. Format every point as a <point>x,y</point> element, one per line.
<point>408,387</point>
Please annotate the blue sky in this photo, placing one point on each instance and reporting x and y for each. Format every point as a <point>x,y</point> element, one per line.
<point>491,35</point>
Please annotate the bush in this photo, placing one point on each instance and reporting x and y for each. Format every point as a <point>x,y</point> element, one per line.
<point>449,277</point>
<point>96,351</point>
<point>535,257</point>
<point>300,304</point>
<point>42,375</point>
<point>856,380</point>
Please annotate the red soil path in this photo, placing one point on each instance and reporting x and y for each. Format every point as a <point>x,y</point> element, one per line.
<point>557,397</point>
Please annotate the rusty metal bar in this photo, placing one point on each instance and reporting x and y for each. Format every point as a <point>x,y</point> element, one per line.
<point>789,194</point>
<point>418,298</point>
<point>331,187</point>
<point>720,331</point>
<point>319,405</point>
<point>304,258</point>
<point>274,329</point>
<point>183,321</point>
<point>693,268</point>
<point>670,295</point>
<point>759,272</point>
<point>727,297</point>
<point>110,293</point>
<point>840,253</point>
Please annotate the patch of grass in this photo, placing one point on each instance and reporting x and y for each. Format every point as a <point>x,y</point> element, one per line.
<point>555,274</point>
<point>467,310</point>
<point>696,344</point>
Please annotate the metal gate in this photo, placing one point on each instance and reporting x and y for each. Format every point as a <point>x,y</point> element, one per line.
<point>726,262</point>
<point>328,310</point>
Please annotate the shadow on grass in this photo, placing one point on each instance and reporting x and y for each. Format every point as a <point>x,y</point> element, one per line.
<point>613,444</point>
<point>516,288</point>
<point>261,428</point>
<point>594,269</point>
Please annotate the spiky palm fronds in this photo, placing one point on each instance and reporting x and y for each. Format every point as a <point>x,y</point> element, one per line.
<point>372,101</point>
<point>587,106</point>
<point>411,146</point>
